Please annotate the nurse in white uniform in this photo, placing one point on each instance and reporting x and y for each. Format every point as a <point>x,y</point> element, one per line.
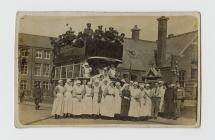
<point>77,98</point>
<point>67,106</point>
<point>135,102</point>
<point>118,92</point>
<point>57,109</point>
<point>104,88</point>
<point>97,95</point>
<point>145,101</point>
<point>88,100</point>
<point>108,102</point>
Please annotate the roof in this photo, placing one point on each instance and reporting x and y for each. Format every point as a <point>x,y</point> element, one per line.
<point>178,44</point>
<point>138,52</point>
<point>141,52</point>
<point>152,72</point>
<point>34,40</point>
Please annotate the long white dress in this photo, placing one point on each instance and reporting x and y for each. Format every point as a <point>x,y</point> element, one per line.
<point>67,106</point>
<point>77,100</point>
<point>134,104</point>
<point>96,106</point>
<point>145,103</point>
<point>57,108</point>
<point>104,89</point>
<point>87,101</point>
<point>118,100</point>
<point>161,92</point>
<point>108,103</point>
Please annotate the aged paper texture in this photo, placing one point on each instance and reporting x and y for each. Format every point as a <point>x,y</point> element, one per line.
<point>102,69</point>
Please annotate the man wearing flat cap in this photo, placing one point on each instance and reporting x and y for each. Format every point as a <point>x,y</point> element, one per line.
<point>156,97</point>
<point>99,33</point>
<point>88,31</point>
<point>37,94</point>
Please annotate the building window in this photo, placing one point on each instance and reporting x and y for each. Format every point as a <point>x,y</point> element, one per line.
<point>133,77</point>
<point>37,69</point>
<point>45,85</point>
<point>125,76</point>
<point>46,69</point>
<point>69,71</point>
<point>37,83</point>
<point>57,72</point>
<point>77,70</point>
<point>181,78</point>
<point>24,68</point>
<point>23,84</point>
<point>194,73</point>
<point>63,72</point>
<point>39,54</point>
<point>24,53</point>
<point>47,55</point>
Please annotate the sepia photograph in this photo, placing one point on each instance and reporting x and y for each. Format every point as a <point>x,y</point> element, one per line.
<point>104,69</point>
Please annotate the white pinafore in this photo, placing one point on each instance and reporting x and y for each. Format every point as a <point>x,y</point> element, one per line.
<point>67,106</point>
<point>134,104</point>
<point>96,105</point>
<point>57,108</point>
<point>88,101</point>
<point>108,103</point>
<point>118,100</point>
<point>77,100</point>
<point>145,103</point>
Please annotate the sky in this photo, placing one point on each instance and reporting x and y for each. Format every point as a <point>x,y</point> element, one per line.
<point>47,25</point>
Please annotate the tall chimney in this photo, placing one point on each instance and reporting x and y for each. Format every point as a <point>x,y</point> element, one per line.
<point>161,43</point>
<point>135,33</point>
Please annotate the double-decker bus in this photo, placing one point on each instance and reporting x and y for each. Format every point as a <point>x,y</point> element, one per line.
<point>99,49</point>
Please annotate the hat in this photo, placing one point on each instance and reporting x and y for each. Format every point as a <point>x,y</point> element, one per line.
<point>160,82</point>
<point>78,82</point>
<point>147,85</point>
<point>141,86</point>
<point>85,64</point>
<point>60,81</point>
<point>89,83</point>
<point>172,85</point>
<point>118,83</point>
<point>68,80</point>
<point>131,82</point>
<point>125,85</point>
<point>96,81</point>
<point>123,80</point>
<point>105,68</point>
<point>135,83</point>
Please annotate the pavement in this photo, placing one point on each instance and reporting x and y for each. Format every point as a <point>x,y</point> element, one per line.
<point>29,116</point>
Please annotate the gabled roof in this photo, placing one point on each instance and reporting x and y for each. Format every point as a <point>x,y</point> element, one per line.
<point>139,52</point>
<point>152,72</point>
<point>178,44</point>
<point>34,40</point>
<point>143,50</point>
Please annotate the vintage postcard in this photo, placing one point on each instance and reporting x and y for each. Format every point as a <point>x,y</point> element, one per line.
<point>104,69</point>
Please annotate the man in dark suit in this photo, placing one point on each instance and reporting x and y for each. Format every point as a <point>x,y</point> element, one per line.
<point>37,94</point>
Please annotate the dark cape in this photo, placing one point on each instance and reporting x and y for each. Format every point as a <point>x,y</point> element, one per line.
<point>169,97</point>
<point>125,104</point>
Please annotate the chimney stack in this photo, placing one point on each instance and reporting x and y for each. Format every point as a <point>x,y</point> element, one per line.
<point>135,33</point>
<point>161,43</point>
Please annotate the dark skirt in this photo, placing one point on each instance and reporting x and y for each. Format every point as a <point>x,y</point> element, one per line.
<point>125,105</point>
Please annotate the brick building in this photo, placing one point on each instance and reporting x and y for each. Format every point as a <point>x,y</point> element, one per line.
<point>172,57</point>
<point>175,57</point>
<point>35,62</point>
